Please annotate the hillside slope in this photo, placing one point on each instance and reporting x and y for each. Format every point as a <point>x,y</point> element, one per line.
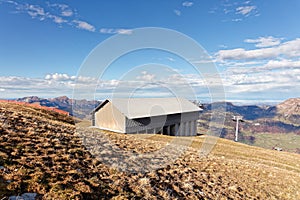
<point>40,153</point>
<point>289,110</point>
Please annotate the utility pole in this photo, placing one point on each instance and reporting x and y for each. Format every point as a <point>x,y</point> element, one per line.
<point>237,119</point>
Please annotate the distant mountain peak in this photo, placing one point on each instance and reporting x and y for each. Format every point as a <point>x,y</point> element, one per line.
<point>63,98</point>
<point>289,107</point>
<point>30,99</point>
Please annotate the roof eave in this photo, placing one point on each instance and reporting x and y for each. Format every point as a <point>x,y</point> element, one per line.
<point>99,106</point>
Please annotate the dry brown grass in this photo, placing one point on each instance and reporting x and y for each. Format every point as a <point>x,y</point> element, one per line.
<point>40,153</point>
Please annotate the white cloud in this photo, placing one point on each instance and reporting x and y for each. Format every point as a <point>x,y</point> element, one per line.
<point>9,1</point>
<point>145,76</point>
<point>235,11</point>
<point>275,64</point>
<point>57,19</point>
<point>239,64</point>
<point>187,4</point>
<point>241,67</point>
<point>61,14</point>
<point>271,71</point>
<point>51,85</point>
<point>287,49</point>
<point>226,11</point>
<point>268,84</point>
<point>124,31</point>
<point>67,13</point>
<point>253,81</point>
<point>37,12</point>
<point>260,67</point>
<point>177,12</point>
<point>245,10</point>
<point>223,46</point>
<point>34,11</point>
<point>58,13</point>
<point>115,31</point>
<point>241,54</point>
<point>265,41</point>
<point>60,77</point>
<point>171,59</point>
<point>262,82</point>
<point>237,20</point>
<point>64,9</point>
<point>192,80</point>
<point>84,25</point>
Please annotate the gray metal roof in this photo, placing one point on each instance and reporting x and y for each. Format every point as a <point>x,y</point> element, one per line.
<point>147,107</point>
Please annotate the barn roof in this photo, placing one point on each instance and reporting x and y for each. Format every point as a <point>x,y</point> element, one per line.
<point>147,107</point>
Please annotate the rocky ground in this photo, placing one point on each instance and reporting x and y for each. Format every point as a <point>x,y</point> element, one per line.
<point>40,152</point>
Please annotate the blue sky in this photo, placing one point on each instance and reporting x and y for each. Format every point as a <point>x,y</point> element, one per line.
<point>254,44</point>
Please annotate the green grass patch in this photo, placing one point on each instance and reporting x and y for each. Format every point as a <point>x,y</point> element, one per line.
<point>288,142</point>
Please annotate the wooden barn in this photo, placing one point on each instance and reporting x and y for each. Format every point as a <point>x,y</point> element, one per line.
<point>169,116</point>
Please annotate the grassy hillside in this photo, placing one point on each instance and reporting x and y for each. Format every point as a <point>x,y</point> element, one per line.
<point>288,142</point>
<point>40,152</point>
<point>267,129</point>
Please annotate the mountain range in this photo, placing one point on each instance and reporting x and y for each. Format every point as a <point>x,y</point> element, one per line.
<point>77,108</point>
<point>261,123</point>
<point>288,110</point>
